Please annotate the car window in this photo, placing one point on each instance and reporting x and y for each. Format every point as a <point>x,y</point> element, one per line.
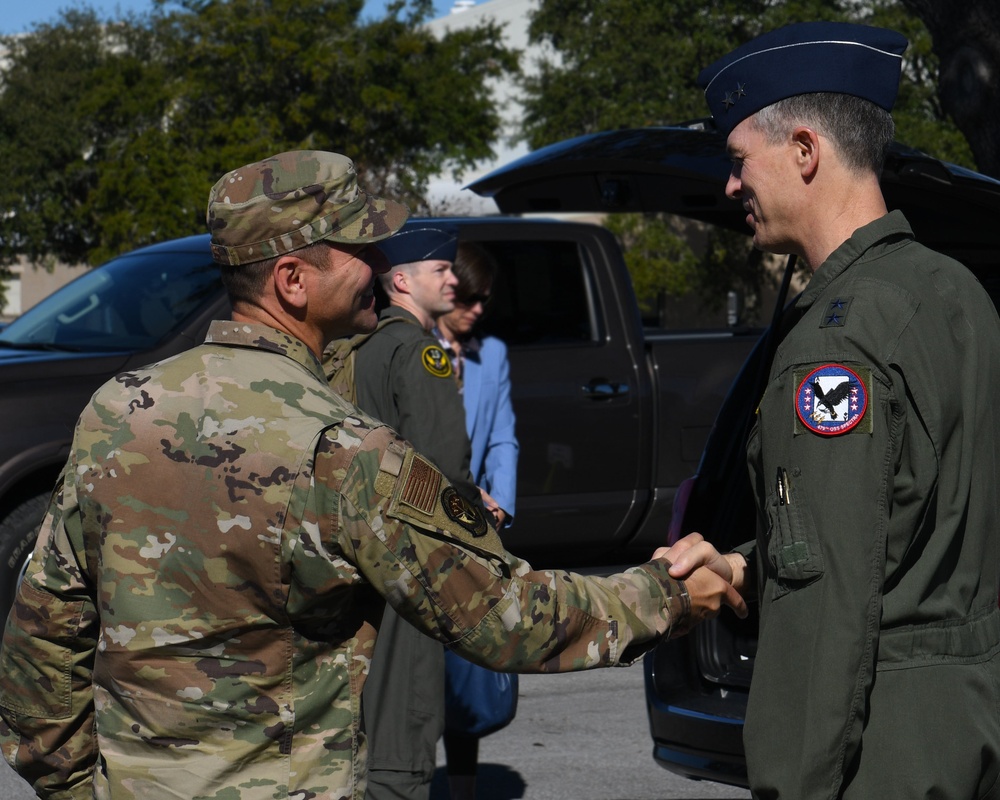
<point>542,295</point>
<point>130,303</point>
<point>690,275</point>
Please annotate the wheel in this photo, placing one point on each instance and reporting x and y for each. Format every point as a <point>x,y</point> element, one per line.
<point>18,532</point>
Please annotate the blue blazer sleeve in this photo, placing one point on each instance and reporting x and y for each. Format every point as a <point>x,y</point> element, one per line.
<point>490,423</point>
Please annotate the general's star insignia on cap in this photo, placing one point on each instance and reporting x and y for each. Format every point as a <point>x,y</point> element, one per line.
<point>736,94</point>
<point>803,58</point>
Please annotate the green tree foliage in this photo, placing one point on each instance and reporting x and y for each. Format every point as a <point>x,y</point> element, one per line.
<point>657,255</point>
<point>635,63</point>
<point>118,130</point>
<point>670,258</point>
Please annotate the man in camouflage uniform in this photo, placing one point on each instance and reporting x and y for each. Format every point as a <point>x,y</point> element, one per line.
<point>404,378</point>
<point>202,604</point>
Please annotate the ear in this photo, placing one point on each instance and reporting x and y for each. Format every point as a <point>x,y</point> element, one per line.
<point>399,279</point>
<point>290,281</point>
<point>806,145</point>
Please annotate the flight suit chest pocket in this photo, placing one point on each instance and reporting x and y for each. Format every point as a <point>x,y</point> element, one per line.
<point>793,547</point>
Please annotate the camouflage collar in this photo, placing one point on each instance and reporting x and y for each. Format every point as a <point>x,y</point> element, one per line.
<point>264,337</point>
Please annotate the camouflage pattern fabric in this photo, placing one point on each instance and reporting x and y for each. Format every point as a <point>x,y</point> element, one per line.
<point>291,200</point>
<point>202,605</point>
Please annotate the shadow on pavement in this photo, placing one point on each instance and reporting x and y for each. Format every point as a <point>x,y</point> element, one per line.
<point>493,782</point>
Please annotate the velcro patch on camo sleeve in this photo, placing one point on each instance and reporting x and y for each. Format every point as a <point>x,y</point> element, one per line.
<point>422,486</point>
<point>424,498</point>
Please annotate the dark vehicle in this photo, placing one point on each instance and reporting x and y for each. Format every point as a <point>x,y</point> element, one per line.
<point>697,686</point>
<point>610,417</point>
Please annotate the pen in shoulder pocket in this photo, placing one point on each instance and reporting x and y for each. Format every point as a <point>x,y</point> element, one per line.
<point>781,479</point>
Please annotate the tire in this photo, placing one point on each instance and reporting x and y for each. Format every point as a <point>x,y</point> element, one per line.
<point>18,532</point>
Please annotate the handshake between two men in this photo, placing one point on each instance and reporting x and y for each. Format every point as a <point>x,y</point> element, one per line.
<point>711,578</point>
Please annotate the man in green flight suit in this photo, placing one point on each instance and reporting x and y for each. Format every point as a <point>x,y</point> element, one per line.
<point>874,455</point>
<point>203,601</point>
<point>404,378</point>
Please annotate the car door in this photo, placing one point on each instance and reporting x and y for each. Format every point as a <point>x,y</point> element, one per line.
<point>578,387</point>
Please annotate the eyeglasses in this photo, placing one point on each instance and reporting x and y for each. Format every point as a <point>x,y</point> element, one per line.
<point>472,299</point>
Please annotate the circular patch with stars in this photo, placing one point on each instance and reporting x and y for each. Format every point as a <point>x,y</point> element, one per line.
<point>436,361</point>
<point>831,399</point>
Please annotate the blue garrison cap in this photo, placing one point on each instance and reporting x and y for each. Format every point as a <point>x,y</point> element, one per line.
<point>420,244</point>
<point>800,59</point>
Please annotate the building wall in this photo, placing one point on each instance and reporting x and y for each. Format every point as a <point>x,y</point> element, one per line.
<point>33,283</point>
<point>445,195</point>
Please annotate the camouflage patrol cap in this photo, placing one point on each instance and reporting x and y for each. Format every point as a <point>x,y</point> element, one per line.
<point>289,201</point>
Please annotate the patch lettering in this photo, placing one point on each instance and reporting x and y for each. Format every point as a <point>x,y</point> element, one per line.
<point>832,399</point>
<point>436,361</point>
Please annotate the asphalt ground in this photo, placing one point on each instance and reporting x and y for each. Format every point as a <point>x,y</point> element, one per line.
<point>575,737</point>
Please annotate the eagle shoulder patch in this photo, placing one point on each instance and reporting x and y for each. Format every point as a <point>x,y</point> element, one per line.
<point>832,399</point>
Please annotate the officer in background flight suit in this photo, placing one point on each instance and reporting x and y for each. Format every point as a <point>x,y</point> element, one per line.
<point>404,377</point>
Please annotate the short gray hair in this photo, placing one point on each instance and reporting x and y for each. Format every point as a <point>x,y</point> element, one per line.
<point>860,130</point>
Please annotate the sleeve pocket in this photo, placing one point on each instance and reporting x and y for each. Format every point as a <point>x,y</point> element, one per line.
<point>36,663</point>
<point>793,547</point>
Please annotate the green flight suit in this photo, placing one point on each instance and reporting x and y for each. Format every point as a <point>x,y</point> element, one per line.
<point>201,608</point>
<point>874,463</point>
<point>402,379</point>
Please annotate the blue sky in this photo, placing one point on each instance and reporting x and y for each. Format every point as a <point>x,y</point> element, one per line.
<point>18,15</point>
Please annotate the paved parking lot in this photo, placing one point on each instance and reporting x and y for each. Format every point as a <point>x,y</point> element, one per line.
<point>575,737</point>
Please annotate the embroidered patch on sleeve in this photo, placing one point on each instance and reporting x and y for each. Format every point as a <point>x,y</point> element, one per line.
<point>421,488</point>
<point>420,501</point>
<point>436,361</point>
<point>466,514</point>
<point>836,313</point>
<point>833,399</point>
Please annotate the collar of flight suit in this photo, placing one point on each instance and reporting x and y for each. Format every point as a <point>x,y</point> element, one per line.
<point>872,239</point>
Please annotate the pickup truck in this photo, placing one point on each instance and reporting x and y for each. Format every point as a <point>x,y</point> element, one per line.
<point>611,416</point>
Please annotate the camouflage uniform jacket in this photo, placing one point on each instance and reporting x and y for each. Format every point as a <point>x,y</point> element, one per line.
<point>201,607</point>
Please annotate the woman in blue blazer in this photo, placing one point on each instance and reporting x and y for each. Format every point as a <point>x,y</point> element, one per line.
<point>484,377</point>
<point>484,374</point>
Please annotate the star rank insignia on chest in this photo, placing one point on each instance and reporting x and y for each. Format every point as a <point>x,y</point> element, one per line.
<point>832,400</point>
<point>835,315</point>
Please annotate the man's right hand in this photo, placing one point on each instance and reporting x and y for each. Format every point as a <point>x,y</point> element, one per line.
<point>709,592</point>
<point>692,552</point>
<point>711,579</point>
